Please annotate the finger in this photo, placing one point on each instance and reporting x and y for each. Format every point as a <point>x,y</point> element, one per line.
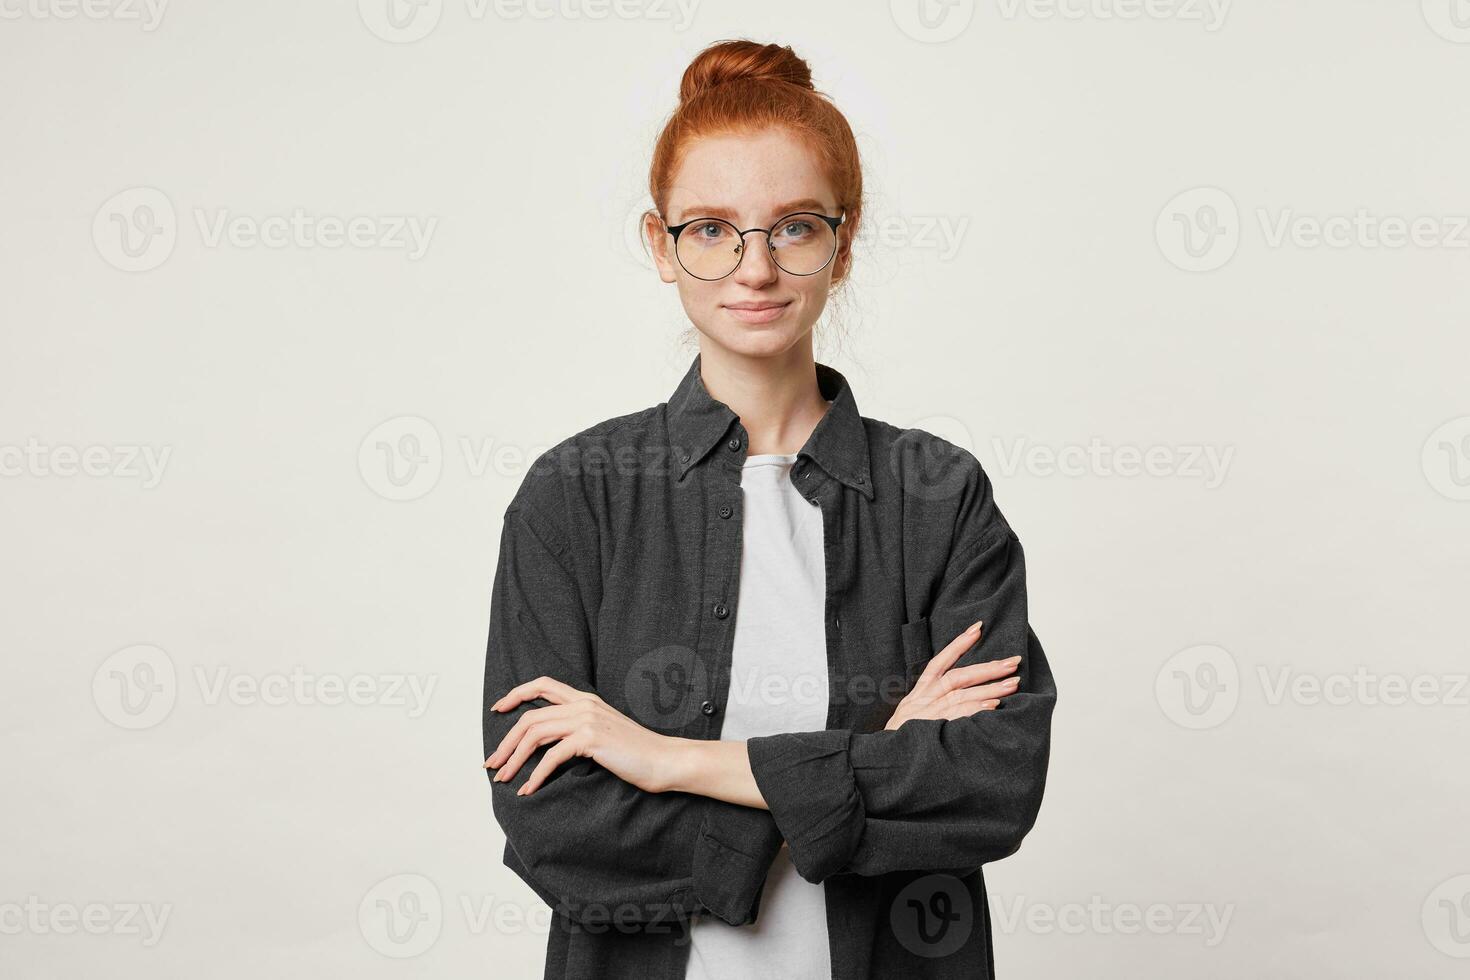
<point>965,710</point>
<point>549,688</point>
<point>536,736</point>
<point>518,730</point>
<point>945,658</point>
<point>980,673</point>
<point>981,692</point>
<point>555,756</point>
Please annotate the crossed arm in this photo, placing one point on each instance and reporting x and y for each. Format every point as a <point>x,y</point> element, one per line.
<point>952,789</point>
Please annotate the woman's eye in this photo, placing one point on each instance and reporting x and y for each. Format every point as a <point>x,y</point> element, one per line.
<point>710,227</point>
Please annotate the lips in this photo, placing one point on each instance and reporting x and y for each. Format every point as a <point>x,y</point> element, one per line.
<point>757,312</point>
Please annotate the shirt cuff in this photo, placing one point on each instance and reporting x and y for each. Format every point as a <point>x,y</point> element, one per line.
<point>807,781</point>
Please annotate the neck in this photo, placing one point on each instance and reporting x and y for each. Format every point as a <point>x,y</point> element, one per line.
<point>776,397</point>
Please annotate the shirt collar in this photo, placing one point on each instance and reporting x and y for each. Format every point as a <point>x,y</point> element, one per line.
<point>839,444</point>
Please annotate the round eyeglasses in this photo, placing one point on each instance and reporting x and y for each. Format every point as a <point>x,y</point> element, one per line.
<point>801,243</point>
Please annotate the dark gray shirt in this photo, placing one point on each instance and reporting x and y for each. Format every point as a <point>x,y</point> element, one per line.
<point>618,570</point>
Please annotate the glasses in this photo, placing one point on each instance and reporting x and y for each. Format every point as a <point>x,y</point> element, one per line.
<point>801,243</point>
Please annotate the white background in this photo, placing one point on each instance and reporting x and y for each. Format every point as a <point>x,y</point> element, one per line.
<point>1090,228</point>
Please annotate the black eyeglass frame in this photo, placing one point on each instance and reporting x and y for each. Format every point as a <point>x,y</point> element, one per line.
<point>832,222</point>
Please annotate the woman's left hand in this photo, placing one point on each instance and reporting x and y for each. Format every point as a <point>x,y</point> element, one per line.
<point>581,724</point>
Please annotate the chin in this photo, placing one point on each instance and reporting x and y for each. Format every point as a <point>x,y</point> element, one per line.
<point>754,340</point>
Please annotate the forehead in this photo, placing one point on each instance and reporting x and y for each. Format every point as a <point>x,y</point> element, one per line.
<point>751,176</point>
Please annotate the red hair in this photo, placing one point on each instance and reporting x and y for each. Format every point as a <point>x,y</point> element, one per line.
<point>742,87</point>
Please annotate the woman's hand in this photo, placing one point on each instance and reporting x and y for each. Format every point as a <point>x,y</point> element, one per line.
<point>944,693</point>
<point>581,724</point>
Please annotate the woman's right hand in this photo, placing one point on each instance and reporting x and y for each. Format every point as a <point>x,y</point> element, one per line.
<point>944,693</point>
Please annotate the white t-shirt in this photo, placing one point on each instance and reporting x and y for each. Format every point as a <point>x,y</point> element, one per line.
<point>778,683</point>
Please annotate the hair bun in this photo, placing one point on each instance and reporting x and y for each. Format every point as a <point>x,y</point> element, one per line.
<point>731,61</point>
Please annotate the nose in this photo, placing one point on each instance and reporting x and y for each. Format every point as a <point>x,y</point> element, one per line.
<point>757,267</point>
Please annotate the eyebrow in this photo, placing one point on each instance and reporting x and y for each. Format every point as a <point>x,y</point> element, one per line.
<point>713,211</point>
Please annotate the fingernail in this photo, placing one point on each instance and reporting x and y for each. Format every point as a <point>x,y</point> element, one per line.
<point>975,626</point>
<point>1013,660</point>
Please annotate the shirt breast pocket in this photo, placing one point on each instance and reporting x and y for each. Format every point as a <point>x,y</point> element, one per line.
<point>918,648</point>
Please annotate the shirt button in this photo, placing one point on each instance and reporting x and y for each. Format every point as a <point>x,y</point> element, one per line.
<point>721,610</point>
<point>812,501</point>
<point>734,444</point>
<point>726,511</point>
<point>708,707</point>
<point>861,481</point>
<point>683,457</point>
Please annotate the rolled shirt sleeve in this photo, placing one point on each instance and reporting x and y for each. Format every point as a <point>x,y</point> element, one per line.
<point>592,846</point>
<point>931,794</point>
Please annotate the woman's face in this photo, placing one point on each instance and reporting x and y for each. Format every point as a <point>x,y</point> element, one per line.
<point>750,181</point>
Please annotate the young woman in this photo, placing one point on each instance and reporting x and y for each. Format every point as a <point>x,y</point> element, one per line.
<point>738,708</point>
